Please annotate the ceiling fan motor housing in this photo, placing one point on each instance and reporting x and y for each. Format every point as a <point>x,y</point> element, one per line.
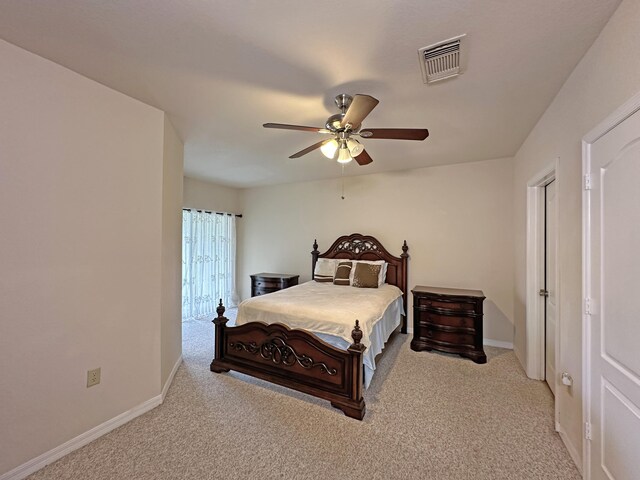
<point>334,122</point>
<point>343,101</point>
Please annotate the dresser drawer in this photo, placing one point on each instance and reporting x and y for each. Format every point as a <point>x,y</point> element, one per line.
<point>432,318</point>
<point>268,283</point>
<point>454,339</point>
<point>442,304</point>
<point>263,291</point>
<point>263,283</point>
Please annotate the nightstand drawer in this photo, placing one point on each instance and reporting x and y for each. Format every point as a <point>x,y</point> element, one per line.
<point>263,291</point>
<point>268,283</point>
<point>426,318</point>
<point>447,305</point>
<point>450,339</point>
<point>263,283</point>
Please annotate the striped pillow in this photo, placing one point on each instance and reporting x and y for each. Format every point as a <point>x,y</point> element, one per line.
<point>343,272</point>
<point>325,270</point>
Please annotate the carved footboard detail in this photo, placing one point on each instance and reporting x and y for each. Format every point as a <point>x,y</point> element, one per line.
<point>293,358</point>
<point>277,350</point>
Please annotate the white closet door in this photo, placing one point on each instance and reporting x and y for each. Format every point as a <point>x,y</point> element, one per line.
<point>550,284</point>
<point>613,284</point>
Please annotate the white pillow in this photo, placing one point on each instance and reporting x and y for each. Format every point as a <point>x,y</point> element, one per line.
<point>325,269</point>
<point>382,276</point>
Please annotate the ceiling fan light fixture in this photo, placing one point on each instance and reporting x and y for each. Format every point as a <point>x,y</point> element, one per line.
<point>355,147</point>
<point>329,149</point>
<point>344,156</point>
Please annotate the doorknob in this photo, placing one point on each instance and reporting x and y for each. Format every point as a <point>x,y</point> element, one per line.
<point>543,292</point>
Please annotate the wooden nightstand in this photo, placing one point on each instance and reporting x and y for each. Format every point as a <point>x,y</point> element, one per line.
<point>449,320</point>
<point>262,283</point>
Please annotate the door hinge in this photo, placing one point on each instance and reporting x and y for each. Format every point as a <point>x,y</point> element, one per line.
<point>587,181</point>
<point>587,430</point>
<point>587,306</point>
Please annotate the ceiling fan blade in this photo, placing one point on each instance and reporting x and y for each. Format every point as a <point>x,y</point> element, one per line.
<point>363,158</point>
<point>395,133</point>
<point>310,149</point>
<point>284,126</point>
<point>360,107</point>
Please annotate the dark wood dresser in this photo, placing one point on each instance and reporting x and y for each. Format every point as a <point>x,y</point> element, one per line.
<point>448,320</point>
<point>262,283</point>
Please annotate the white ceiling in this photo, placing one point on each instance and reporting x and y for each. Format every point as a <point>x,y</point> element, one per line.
<point>222,68</point>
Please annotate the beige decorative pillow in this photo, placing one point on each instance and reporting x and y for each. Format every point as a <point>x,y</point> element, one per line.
<point>325,269</point>
<point>366,275</point>
<point>382,276</point>
<point>343,271</point>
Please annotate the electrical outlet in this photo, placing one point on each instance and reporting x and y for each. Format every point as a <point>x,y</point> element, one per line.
<point>93,377</point>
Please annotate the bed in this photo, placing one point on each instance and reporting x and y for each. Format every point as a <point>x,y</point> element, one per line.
<point>283,353</point>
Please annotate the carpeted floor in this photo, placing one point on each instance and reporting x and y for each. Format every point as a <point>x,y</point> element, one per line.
<point>429,416</point>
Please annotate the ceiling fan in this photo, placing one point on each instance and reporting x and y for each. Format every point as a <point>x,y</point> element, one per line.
<point>342,127</point>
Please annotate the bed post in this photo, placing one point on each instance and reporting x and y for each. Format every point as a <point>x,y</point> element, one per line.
<point>314,257</point>
<point>355,406</point>
<point>220,322</point>
<point>405,258</point>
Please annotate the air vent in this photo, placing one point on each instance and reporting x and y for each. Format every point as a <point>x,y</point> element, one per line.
<point>442,60</point>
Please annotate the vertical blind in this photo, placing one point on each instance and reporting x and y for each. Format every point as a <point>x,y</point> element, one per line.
<point>208,262</point>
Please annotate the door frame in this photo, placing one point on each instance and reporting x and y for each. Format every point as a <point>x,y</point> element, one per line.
<point>623,112</point>
<point>535,328</point>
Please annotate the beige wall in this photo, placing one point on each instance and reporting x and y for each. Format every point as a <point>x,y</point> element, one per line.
<point>171,313</point>
<point>81,180</point>
<point>605,78</point>
<point>457,221</point>
<point>209,196</point>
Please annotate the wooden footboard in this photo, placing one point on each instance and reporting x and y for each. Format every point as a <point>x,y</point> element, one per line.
<point>293,358</point>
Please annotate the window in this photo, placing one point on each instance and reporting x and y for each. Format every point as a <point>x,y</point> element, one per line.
<point>208,262</point>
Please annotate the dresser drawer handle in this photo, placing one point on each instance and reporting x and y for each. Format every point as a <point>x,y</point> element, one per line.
<point>258,283</point>
<point>429,333</point>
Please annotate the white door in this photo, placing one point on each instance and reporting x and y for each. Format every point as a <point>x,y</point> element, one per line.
<point>550,286</point>
<point>612,286</point>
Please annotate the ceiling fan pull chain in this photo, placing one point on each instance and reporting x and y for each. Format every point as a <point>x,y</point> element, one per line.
<point>342,178</point>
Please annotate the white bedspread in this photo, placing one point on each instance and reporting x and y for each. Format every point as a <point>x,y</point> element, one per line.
<point>330,312</point>
<point>322,308</point>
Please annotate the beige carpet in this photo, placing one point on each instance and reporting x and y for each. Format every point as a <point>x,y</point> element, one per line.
<point>429,416</point>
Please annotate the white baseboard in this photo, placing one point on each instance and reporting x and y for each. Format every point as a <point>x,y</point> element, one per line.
<point>497,343</point>
<point>519,357</point>
<point>571,448</point>
<point>169,381</point>
<point>81,440</point>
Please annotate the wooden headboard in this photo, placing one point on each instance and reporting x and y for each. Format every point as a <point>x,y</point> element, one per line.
<point>365,247</point>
